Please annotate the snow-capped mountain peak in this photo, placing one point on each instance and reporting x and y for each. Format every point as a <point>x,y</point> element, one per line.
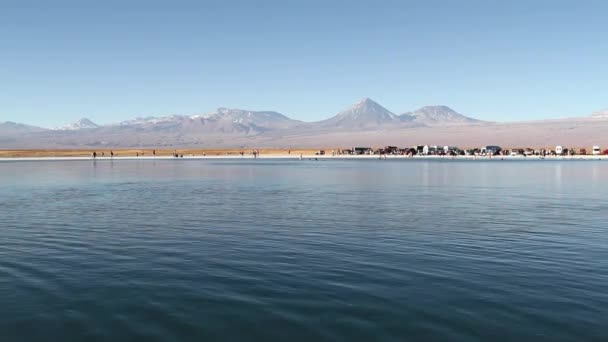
<point>365,113</point>
<point>367,108</point>
<point>83,123</point>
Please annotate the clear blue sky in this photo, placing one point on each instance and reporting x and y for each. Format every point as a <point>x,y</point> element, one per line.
<point>113,60</point>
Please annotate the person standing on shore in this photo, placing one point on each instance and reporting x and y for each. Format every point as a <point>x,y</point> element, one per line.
<point>111,154</point>
<point>94,154</point>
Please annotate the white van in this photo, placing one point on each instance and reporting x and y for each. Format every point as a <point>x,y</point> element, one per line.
<point>596,150</point>
<point>559,150</point>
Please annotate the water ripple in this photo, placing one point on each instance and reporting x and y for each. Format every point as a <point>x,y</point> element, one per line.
<point>302,250</point>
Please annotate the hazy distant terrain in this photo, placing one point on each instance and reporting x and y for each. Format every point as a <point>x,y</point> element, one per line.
<point>366,123</point>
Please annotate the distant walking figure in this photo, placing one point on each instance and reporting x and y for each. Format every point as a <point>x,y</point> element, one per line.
<point>154,152</point>
<point>111,154</point>
<point>94,155</point>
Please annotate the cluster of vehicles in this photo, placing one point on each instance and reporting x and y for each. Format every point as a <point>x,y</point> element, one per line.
<point>558,151</point>
<point>490,150</point>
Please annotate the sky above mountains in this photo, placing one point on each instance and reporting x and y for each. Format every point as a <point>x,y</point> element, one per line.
<point>112,60</point>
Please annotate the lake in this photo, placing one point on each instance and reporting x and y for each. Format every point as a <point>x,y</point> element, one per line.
<point>276,250</point>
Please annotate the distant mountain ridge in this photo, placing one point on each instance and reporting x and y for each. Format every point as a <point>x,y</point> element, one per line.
<point>437,115</point>
<point>240,127</point>
<point>241,120</point>
<point>600,114</point>
<point>223,120</point>
<point>9,127</point>
<point>364,114</point>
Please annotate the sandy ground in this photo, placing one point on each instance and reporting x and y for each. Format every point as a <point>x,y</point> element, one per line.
<point>33,155</point>
<point>149,153</point>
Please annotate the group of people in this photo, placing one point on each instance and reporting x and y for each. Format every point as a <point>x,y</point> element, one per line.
<point>103,154</point>
<point>94,155</point>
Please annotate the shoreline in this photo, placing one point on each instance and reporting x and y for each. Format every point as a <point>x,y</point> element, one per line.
<point>304,157</point>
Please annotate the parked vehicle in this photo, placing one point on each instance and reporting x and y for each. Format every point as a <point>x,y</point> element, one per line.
<point>491,150</point>
<point>409,151</point>
<point>391,150</point>
<point>320,153</point>
<point>363,150</point>
<point>431,150</point>
<point>563,151</point>
<point>451,149</point>
<point>517,152</point>
<point>596,150</point>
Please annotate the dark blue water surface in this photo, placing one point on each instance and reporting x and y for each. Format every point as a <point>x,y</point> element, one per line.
<point>182,250</point>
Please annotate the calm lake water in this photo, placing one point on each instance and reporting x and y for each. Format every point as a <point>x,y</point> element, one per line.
<point>181,250</point>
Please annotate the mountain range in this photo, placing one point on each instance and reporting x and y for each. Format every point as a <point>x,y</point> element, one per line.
<point>366,122</point>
